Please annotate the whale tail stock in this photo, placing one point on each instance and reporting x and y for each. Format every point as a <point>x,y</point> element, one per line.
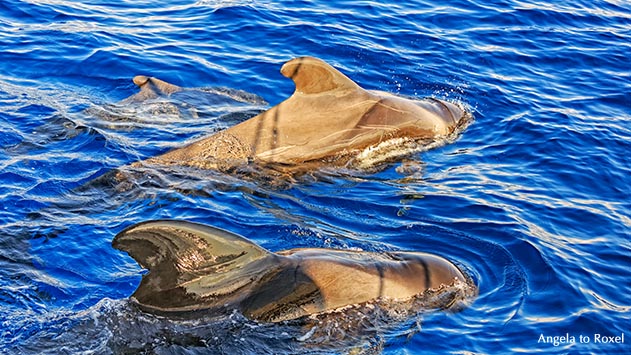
<point>191,266</point>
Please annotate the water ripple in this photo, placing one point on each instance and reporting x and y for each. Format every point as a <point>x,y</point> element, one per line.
<point>532,199</point>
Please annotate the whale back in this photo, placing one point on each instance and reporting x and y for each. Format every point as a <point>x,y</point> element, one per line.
<point>194,267</point>
<point>345,277</point>
<point>328,118</point>
<point>191,266</point>
<point>329,115</point>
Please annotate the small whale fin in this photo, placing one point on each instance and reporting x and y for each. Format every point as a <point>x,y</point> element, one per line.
<point>312,76</point>
<point>151,87</point>
<point>189,264</point>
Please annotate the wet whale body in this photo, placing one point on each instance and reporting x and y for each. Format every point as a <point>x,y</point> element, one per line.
<point>329,118</point>
<point>198,268</point>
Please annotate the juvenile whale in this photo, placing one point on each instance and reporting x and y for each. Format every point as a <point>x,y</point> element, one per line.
<point>327,118</point>
<point>151,88</point>
<point>195,267</point>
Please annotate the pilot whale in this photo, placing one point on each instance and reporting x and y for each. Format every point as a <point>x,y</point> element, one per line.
<point>151,88</point>
<point>198,268</point>
<point>328,118</point>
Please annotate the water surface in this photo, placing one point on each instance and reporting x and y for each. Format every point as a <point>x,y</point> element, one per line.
<point>532,199</point>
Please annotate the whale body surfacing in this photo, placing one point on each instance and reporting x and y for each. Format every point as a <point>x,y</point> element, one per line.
<point>195,267</point>
<point>328,118</point>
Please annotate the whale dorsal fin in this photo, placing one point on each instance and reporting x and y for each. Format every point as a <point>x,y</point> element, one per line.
<point>190,265</point>
<point>312,76</point>
<point>151,87</point>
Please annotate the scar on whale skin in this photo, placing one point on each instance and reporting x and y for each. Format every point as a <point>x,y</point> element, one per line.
<point>199,268</point>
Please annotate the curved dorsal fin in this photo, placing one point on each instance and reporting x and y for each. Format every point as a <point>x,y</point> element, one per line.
<point>161,86</point>
<point>188,263</point>
<point>151,87</point>
<point>312,75</point>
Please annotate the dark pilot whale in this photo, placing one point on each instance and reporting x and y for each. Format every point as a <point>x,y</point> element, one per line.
<point>195,267</point>
<point>328,118</point>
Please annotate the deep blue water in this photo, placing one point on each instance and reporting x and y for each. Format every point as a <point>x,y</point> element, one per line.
<point>533,198</point>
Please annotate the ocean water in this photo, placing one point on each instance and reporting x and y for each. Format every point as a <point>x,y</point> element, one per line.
<point>532,199</point>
